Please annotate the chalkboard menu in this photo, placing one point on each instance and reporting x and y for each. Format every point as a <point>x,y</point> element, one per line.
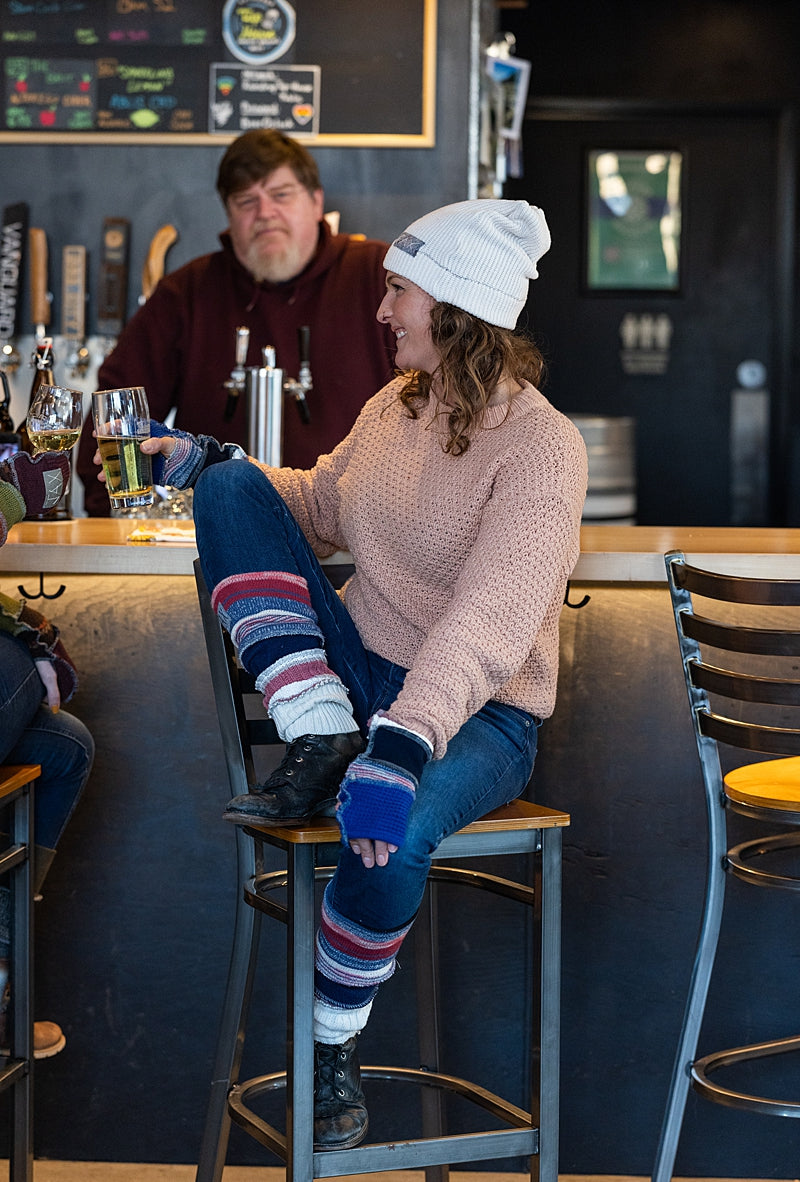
<point>331,71</point>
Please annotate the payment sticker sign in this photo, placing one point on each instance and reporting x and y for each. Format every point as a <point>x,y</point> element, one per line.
<point>284,98</point>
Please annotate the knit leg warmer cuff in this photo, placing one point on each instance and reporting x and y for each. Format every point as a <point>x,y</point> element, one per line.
<point>303,696</point>
<point>335,1026</point>
<point>351,961</point>
<point>261,605</point>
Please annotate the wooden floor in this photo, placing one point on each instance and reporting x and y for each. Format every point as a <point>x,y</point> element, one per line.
<point>61,1171</point>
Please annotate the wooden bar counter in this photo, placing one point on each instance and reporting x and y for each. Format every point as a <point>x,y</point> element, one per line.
<point>133,933</point>
<point>625,554</point>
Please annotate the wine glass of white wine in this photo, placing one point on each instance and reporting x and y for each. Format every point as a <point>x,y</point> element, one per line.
<point>54,418</point>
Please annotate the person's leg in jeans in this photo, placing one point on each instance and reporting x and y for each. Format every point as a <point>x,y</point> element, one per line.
<point>367,912</point>
<point>291,631</point>
<point>31,734</point>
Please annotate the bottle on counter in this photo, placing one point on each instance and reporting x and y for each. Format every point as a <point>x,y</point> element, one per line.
<point>42,361</point>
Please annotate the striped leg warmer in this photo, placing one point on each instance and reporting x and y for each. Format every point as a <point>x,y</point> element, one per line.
<point>277,637</point>
<point>350,963</point>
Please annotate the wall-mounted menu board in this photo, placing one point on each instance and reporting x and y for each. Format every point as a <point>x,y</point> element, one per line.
<point>338,72</point>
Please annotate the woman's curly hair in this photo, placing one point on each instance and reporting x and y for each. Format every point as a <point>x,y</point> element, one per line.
<point>474,357</point>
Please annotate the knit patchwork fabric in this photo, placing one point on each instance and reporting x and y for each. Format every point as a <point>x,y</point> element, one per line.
<point>295,674</point>
<point>262,605</point>
<point>352,961</point>
<point>12,508</point>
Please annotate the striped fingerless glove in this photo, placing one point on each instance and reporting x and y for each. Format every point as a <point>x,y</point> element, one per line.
<point>378,789</point>
<point>191,454</point>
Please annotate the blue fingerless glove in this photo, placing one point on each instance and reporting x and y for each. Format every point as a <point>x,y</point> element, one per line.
<point>191,455</point>
<point>378,789</point>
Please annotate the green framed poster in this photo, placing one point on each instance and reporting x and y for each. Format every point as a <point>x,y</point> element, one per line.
<point>633,220</point>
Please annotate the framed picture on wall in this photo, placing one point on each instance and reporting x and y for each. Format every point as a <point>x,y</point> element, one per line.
<point>633,220</point>
<point>510,77</point>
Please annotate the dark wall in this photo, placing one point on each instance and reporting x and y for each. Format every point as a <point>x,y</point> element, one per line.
<point>686,59</point>
<point>709,50</point>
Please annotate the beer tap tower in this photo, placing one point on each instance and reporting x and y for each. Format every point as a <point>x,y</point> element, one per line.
<point>264,387</point>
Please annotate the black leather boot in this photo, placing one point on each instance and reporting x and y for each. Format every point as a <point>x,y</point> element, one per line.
<point>303,785</point>
<point>340,1117</point>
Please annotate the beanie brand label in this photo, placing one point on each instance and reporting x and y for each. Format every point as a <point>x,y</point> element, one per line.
<point>408,244</point>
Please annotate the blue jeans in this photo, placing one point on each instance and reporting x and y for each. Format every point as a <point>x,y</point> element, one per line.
<point>31,733</point>
<point>243,525</point>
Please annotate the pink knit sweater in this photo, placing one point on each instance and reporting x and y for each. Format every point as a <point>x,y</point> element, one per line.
<point>461,562</point>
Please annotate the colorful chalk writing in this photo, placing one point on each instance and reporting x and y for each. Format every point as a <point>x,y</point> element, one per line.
<point>153,68</point>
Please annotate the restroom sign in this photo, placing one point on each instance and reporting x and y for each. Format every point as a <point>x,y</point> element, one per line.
<point>645,341</point>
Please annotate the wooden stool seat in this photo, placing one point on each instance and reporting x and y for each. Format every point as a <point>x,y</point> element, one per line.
<point>770,784</point>
<point>519,814</point>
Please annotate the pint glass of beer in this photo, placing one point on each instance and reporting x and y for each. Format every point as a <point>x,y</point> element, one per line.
<point>122,421</point>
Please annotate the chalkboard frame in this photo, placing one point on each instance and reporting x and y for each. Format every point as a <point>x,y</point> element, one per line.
<point>424,138</point>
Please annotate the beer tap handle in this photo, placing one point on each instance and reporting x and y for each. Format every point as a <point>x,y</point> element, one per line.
<point>302,405</point>
<point>242,345</point>
<point>40,302</point>
<point>304,349</point>
<point>235,383</point>
<point>304,383</point>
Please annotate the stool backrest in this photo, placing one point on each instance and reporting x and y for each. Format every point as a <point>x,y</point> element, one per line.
<point>761,685</point>
<point>243,722</point>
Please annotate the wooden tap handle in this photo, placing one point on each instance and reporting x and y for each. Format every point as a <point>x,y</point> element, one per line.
<point>40,304</point>
<point>73,292</point>
<point>153,269</point>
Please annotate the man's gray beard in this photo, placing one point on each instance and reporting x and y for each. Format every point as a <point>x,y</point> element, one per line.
<point>277,269</point>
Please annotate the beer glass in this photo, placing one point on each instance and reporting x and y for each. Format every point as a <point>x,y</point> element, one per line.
<point>54,418</point>
<point>121,422</point>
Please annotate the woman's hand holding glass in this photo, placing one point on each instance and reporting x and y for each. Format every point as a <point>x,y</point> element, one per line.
<point>122,430</point>
<point>164,445</point>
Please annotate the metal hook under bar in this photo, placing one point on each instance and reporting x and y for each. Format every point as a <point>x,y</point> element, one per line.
<point>41,593</point>
<point>580,603</point>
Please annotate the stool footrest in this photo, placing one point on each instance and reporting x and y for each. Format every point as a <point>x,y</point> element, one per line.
<point>257,888</point>
<point>521,1140</point>
<point>729,1097</point>
<point>741,859</point>
<point>11,1071</point>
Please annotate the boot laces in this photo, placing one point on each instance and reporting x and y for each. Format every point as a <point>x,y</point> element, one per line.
<point>331,1066</point>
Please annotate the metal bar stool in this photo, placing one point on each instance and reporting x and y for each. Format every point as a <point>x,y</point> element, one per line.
<point>16,861</point>
<point>518,828</point>
<point>759,686</point>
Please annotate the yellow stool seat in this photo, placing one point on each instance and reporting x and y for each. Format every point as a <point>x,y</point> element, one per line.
<point>771,784</point>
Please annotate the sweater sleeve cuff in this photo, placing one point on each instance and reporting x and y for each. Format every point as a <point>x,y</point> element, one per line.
<point>12,507</point>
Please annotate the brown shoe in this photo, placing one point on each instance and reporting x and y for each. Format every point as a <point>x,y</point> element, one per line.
<point>48,1040</point>
<point>48,1037</point>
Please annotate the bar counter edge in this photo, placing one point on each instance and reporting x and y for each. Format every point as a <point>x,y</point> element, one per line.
<point>609,554</point>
